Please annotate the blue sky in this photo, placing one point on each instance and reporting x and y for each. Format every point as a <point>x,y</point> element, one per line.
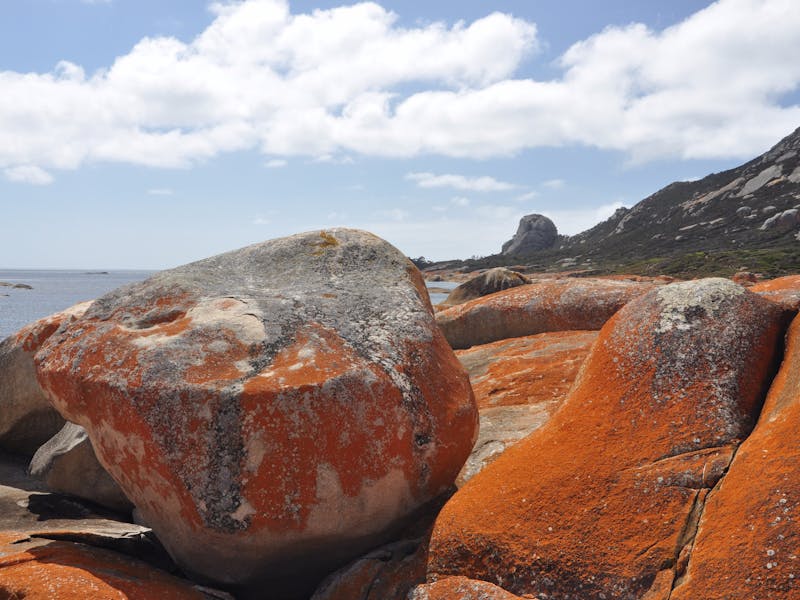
<point>145,134</point>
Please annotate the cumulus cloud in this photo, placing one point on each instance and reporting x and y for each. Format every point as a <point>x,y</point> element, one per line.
<point>350,80</point>
<point>28,174</point>
<point>460,182</point>
<point>554,184</point>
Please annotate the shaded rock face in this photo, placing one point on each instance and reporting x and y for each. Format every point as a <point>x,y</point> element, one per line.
<point>535,232</point>
<point>549,305</point>
<point>519,384</point>
<point>67,464</point>
<point>602,501</point>
<point>37,568</point>
<point>269,404</point>
<point>493,280</point>
<point>27,420</point>
<point>783,290</point>
<point>751,519</point>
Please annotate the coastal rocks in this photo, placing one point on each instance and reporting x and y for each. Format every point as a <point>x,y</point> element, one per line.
<point>270,412</point>
<point>37,569</point>
<point>548,305</point>
<point>535,232</point>
<point>601,501</point>
<point>783,290</point>
<point>518,384</point>
<point>751,520</point>
<point>493,280</point>
<point>67,464</point>
<point>27,419</point>
<point>461,588</point>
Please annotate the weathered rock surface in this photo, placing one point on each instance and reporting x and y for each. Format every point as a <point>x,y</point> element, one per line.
<point>601,501</point>
<point>461,588</point>
<point>549,305</point>
<point>751,520</point>
<point>39,569</point>
<point>533,369</point>
<point>67,464</point>
<point>783,290</point>
<point>269,413</point>
<point>518,384</point>
<point>493,280</point>
<point>27,420</point>
<point>535,232</point>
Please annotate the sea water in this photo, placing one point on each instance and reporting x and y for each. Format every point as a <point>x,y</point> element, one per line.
<point>58,289</point>
<point>53,291</point>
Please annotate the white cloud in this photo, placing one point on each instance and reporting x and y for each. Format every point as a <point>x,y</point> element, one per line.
<point>526,197</point>
<point>326,84</point>
<point>459,201</point>
<point>261,221</point>
<point>276,163</point>
<point>393,214</point>
<point>28,174</point>
<point>460,182</point>
<point>160,192</point>
<point>554,184</point>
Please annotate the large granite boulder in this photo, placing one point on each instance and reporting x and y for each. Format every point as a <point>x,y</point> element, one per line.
<point>535,232</point>
<point>27,420</point>
<point>67,464</point>
<point>493,280</point>
<point>461,588</point>
<point>548,305</point>
<point>751,520</point>
<point>602,501</point>
<point>273,411</point>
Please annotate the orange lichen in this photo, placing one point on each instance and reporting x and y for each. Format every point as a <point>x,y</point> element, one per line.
<point>58,570</point>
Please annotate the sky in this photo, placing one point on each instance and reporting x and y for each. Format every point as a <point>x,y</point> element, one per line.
<point>146,134</point>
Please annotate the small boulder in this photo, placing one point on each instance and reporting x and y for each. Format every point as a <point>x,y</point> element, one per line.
<point>745,278</point>
<point>601,501</point>
<point>493,280</point>
<point>549,305</point>
<point>274,411</point>
<point>535,232</point>
<point>67,464</point>
<point>27,420</point>
<point>461,588</point>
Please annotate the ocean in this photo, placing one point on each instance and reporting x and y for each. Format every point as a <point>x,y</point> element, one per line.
<point>53,291</point>
<point>56,290</point>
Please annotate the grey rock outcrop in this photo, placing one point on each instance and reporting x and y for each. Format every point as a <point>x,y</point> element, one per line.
<point>535,232</point>
<point>67,464</point>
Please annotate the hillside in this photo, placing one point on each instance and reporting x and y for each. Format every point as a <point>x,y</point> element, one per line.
<point>744,218</point>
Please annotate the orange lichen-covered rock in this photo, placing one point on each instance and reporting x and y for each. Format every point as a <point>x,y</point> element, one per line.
<point>526,370</point>
<point>462,588</point>
<point>748,541</point>
<point>783,290</point>
<point>518,384</point>
<point>37,569</point>
<point>27,420</point>
<point>600,501</point>
<point>273,411</point>
<point>548,305</point>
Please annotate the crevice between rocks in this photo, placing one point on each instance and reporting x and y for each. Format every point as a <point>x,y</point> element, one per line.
<point>686,540</point>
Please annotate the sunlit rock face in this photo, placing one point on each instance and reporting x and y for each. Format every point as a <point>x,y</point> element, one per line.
<point>272,411</point>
